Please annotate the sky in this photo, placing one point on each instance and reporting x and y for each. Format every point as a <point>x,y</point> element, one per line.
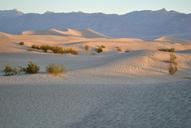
<point>90,6</point>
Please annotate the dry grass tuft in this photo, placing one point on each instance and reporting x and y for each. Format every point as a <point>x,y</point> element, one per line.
<point>167,49</point>
<point>55,49</point>
<point>21,43</point>
<point>173,64</point>
<point>99,49</point>
<point>118,49</point>
<point>55,69</point>
<point>32,68</point>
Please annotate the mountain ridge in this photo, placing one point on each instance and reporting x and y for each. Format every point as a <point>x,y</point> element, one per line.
<point>52,12</point>
<point>146,24</point>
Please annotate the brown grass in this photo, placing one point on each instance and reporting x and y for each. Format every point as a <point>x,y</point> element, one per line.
<point>55,69</point>
<point>173,64</point>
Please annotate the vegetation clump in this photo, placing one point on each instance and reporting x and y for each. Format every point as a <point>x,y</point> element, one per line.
<point>55,49</point>
<point>102,46</point>
<point>21,43</point>
<point>8,70</point>
<point>55,69</point>
<point>32,68</point>
<point>99,49</point>
<point>35,47</point>
<point>126,50</point>
<point>167,49</point>
<point>70,51</point>
<point>118,49</point>
<point>86,47</point>
<point>45,48</point>
<point>173,65</point>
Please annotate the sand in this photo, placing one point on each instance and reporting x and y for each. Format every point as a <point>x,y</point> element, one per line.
<point>142,64</point>
<point>87,33</point>
<point>111,89</point>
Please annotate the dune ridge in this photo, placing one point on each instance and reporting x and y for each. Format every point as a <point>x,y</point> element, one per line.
<point>86,33</point>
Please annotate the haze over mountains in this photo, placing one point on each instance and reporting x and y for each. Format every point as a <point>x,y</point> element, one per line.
<point>138,24</point>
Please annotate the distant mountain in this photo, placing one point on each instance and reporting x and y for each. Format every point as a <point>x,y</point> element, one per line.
<point>139,24</point>
<point>10,13</point>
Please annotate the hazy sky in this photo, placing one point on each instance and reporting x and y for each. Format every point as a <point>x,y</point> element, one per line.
<point>106,6</point>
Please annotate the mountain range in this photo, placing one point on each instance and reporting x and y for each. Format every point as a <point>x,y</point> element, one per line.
<point>144,24</point>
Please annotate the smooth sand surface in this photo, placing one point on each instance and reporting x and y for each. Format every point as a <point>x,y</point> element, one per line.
<point>113,89</point>
<point>164,105</point>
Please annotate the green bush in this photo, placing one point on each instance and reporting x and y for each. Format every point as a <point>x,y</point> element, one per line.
<point>167,49</point>
<point>55,69</point>
<point>31,68</point>
<point>21,43</point>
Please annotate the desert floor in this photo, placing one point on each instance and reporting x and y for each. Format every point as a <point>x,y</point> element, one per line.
<point>113,89</point>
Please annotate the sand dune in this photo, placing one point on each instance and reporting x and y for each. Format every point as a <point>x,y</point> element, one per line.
<point>115,88</point>
<point>79,42</point>
<point>141,59</point>
<point>86,33</point>
<point>7,45</point>
<point>139,63</point>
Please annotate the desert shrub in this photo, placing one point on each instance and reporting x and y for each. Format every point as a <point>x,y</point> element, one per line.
<point>102,46</point>
<point>8,70</point>
<point>21,43</point>
<point>55,69</point>
<point>71,51</point>
<point>172,65</point>
<point>118,49</point>
<point>172,69</point>
<point>86,47</point>
<point>45,48</point>
<point>172,58</point>
<point>60,50</point>
<point>56,49</point>
<point>99,49</point>
<point>31,68</point>
<point>35,47</point>
<point>167,49</point>
<point>126,50</point>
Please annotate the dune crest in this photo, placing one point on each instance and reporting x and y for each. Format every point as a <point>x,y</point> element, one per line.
<point>86,33</point>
